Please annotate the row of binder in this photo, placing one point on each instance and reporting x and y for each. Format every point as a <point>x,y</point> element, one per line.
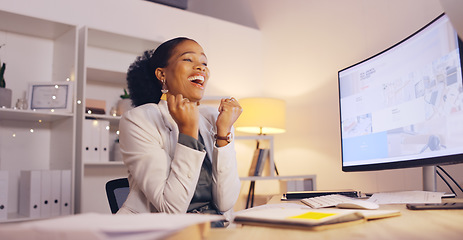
<point>45,193</point>
<point>95,141</point>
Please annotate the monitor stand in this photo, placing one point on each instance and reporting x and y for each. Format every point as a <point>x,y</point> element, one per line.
<point>429,178</point>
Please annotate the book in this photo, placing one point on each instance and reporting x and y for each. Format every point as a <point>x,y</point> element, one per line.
<point>258,161</point>
<point>303,217</point>
<point>310,219</point>
<point>252,169</point>
<point>262,159</point>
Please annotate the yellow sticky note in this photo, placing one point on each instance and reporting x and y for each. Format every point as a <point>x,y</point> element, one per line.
<point>313,215</point>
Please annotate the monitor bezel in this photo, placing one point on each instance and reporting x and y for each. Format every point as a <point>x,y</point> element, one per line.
<point>430,161</point>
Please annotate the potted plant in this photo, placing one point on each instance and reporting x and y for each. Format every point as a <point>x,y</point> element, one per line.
<point>124,104</point>
<point>5,93</point>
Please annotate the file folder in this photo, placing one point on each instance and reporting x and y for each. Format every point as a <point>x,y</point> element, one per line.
<point>66,192</point>
<point>55,192</point>
<point>3,195</point>
<point>45,194</point>
<point>90,141</point>
<point>104,140</point>
<point>29,193</point>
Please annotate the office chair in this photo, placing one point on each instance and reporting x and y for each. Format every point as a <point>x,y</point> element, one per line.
<point>117,191</point>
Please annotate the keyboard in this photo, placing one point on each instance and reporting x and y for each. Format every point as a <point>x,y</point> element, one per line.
<point>326,201</point>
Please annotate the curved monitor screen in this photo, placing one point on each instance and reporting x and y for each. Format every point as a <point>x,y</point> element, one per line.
<point>404,106</point>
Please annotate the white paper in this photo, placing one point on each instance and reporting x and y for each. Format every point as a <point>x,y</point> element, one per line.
<point>93,226</point>
<point>406,197</point>
<point>276,205</point>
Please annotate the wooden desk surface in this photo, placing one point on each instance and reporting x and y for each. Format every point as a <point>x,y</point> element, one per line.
<point>417,224</point>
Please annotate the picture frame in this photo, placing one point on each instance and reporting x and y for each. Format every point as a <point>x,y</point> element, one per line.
<point>50,96</point>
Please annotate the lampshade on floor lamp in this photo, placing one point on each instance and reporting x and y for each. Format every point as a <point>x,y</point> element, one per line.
<point>262,116</point>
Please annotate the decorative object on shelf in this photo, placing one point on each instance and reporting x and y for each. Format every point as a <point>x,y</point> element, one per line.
<point>113,112</point>
<point>95,106</point>
<point>124,104</point>
<point>260,116</point>
<point>21,104</point>
<point>5,93</point>
<point>51,96</point>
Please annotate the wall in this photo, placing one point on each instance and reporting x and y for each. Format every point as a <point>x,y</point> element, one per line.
<point>305,43</point>
<point>223,42</point>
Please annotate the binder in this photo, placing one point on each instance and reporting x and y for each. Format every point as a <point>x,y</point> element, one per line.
<point>90,141</point>
<point>45,194</point>
<point>65,208</point>
<point>95,141</point>
<point>55,192</point>
<point>29,193</point>
<point>3,195</point>
<point>104,140</point>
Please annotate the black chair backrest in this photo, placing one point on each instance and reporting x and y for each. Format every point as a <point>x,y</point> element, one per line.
<point>117,191</point>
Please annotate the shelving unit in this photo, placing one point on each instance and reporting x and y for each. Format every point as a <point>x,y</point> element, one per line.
<point>35,50</point>
<point>104,58</point>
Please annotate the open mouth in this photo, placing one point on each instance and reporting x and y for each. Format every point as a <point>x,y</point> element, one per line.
<point>197,80</point>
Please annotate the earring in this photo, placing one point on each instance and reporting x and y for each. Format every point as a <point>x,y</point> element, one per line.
<point>164,89</point>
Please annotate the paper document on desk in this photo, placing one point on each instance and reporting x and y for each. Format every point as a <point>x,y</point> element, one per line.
<point>92,226</point>
<point>406,197</point>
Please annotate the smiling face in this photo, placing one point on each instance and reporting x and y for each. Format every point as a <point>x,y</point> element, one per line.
<point>186,72</point>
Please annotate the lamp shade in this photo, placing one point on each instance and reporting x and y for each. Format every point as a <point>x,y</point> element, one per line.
<point>262,116</point>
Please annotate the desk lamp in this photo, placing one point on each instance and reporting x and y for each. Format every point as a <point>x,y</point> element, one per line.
<point>261,116</point>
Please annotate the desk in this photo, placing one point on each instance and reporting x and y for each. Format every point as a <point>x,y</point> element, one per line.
<point>417,224</point>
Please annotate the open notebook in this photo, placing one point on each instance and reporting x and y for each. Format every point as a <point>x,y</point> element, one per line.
<point>307,218</point>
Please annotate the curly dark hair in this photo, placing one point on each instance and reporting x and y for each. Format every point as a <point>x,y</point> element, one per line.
<point>144,87</point>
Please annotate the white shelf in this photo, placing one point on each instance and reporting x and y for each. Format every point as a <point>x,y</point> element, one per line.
<point>25,25</point>
<point>111,119</point>
<point>35,140</point>
<point>104,164</point>
<point>104,75</point>
<point>29,115</point>
<point>119,42</point>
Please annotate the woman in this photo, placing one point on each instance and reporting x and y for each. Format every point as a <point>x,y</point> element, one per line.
<point>180,156</point>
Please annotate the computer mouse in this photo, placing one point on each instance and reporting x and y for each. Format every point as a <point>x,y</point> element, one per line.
<point>358,204</point>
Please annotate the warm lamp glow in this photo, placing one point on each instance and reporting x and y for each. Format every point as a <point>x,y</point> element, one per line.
<point>262,116</point>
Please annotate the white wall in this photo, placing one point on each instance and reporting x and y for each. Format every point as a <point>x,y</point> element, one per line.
<point>305,43</point>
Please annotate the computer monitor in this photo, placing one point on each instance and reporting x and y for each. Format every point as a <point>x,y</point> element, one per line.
<point>403,107</point>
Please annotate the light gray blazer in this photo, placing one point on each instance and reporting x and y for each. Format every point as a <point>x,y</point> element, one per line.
<point>163,173</point>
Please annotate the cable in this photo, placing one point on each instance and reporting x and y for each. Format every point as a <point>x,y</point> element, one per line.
<point>448,175</point>
<point>448,185</point>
